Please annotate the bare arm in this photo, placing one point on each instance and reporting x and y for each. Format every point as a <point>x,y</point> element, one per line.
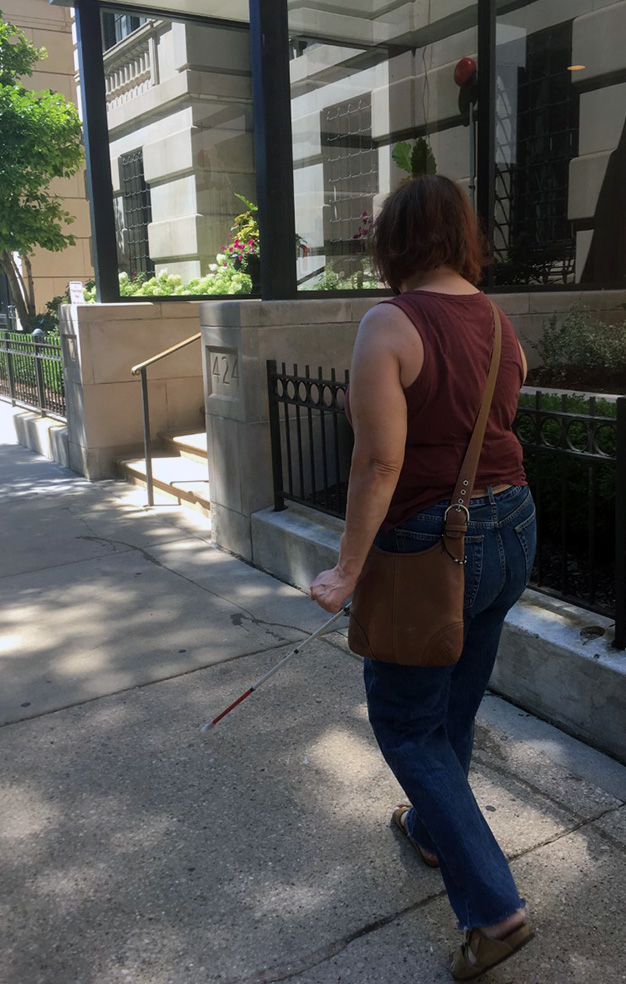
<point>378,407</point>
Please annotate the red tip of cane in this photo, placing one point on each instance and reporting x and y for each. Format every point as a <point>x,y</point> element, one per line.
<point>207,726</point>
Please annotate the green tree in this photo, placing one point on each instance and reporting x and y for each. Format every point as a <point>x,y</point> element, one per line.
<point>40,139</point>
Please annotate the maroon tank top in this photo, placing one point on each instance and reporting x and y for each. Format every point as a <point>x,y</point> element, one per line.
<point>442,403</point>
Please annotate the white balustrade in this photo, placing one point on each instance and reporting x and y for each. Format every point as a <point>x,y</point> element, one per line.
<point>131,66</point>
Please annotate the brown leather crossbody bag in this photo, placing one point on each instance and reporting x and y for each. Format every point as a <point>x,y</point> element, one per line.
<point>407,608</point>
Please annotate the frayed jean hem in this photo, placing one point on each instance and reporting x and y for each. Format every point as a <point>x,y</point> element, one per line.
<point>479,925</point>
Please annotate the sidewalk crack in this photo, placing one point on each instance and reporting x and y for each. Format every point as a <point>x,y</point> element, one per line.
<point>567,833</point>
<point>246,616</point>
<point>502,770</point>
<point>139,686</point>
<point>286,972</point>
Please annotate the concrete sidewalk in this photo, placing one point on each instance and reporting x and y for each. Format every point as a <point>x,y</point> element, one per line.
<point>133,849</point>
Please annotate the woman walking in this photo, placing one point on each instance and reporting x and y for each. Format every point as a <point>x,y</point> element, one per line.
<point>418,374</point>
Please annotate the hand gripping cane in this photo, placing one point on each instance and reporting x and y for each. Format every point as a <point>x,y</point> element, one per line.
<point>255,686</point>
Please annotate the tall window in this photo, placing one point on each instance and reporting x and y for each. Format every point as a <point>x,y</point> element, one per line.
<point>366,78</point>
<point>137,213</point>
<point>116,27</point>
<point>180,122</point>
<point>350,163</point>
<point>537,134</point>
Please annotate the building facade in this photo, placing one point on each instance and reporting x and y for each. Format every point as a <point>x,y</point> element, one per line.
<point>179,114</point>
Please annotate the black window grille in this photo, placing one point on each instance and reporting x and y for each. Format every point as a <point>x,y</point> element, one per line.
<point>137,213</point>
<point>350,162</point>
<point>534,239</point>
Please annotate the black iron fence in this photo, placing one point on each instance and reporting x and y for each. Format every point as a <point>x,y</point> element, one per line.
<point>574,454</point>
<point>311,438</point>
<point>31,372</point>
<point>575,461</point>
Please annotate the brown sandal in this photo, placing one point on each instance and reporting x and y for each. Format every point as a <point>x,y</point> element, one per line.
<point>397,817</point>
<point>487,952</point>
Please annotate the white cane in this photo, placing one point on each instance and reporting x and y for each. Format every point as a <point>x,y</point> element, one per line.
<point>255,686</point>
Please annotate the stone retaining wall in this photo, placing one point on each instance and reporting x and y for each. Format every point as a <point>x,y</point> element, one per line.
<point>101,342</point>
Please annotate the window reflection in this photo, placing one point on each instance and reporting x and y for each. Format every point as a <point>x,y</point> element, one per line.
<point>362,87</point>
<point>560,215</point>
<point>179,111</point>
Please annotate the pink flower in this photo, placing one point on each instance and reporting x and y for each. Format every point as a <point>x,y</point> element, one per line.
<point>230,249</point>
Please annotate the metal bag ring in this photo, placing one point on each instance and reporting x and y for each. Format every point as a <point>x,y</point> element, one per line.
<point>458,506</point>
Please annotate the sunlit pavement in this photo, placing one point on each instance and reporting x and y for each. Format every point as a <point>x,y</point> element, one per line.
<point>134,848</point>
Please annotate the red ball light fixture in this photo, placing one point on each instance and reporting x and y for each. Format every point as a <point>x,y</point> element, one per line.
<point>465,70</point>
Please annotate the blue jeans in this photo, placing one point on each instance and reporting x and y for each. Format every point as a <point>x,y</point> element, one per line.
<point>423,717</point>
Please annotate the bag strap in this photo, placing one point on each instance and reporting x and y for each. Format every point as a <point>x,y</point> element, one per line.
<point>457,514</point>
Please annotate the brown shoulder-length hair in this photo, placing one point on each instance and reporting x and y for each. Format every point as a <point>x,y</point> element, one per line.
<point>426,223</point>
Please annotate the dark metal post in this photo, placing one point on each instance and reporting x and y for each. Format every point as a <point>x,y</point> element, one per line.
<point>37,354</point>
<point>486,142</point>
<point>97,158</point>
<point>273,152</point>
<point>620,527</point>
<point>146,433</point>
<point>277,457</point>
<point>10,372</point>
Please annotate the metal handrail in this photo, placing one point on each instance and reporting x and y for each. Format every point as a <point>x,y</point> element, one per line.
<point>141,369</point>
<point>155,358</point>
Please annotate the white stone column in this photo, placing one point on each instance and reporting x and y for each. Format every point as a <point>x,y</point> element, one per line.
<point>237,340</point>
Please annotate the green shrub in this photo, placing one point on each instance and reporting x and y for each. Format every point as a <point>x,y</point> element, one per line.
<point>23,365</point>
<point>228,275</point>
<point>222,278</point>
<point>47,321</point>
<point>361,280</point>
<point>562,483</point>
<point>330,280</point>
<point>582,352</point>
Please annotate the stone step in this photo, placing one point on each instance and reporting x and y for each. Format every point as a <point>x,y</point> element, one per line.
<point>181,480</point>
<point>192,445</point>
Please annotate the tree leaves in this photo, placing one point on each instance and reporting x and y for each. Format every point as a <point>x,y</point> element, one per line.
<point>422,159</point>
<point>416,160</point>
<point>401,154</point>
<point>17,55</point>
<point>40,139</point>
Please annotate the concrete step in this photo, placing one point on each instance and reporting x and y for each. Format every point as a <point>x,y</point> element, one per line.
<point>179,479</point>
<point>192,445</point>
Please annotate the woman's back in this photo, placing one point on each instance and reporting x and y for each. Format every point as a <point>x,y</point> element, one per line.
<point>442,404</point>
<point>418,373</point>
